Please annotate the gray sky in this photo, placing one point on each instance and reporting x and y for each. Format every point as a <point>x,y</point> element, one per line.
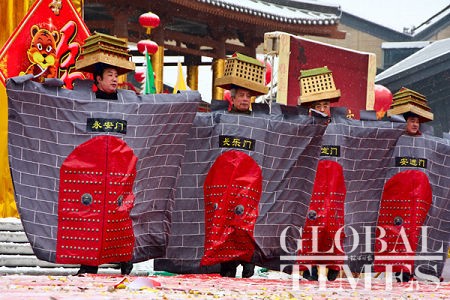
<point>394,14</point>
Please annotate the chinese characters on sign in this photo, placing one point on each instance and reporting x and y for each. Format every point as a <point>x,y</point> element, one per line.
<point>106,125</point>
<point>226,141</point>
<point>407,161</point>
<point>330,150</point>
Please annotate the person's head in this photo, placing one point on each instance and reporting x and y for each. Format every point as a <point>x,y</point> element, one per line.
<point>106,78</point>
<point>323,106</point>
<point>412,123</point>
<point>241,98</point>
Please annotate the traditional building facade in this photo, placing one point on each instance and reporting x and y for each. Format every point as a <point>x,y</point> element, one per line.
<point>211,28</point>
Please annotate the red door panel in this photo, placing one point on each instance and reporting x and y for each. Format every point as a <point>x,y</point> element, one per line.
<point>232,191</point>
<point>95,199</point>
<point>326,212</point>
<point>404,205</point>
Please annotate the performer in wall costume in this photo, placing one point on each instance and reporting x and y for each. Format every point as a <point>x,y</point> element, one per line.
<point>414,196</point>
<point>326,208</point>
<point>49,122</point>
<point>233,187</point>
<point>286,147</point>
<point>284,144</point>
<point>48,128</point>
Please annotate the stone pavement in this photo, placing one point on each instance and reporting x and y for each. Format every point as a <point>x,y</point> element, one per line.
<point>24,277</point>
<point>210,287</point>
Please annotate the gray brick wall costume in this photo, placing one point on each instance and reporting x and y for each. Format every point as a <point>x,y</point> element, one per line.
<point>363,150</point>
<point>366,148</point>
<point>46,124</point>
<point>286,146</point>
<point>175,147</point>
<point>430,156</point>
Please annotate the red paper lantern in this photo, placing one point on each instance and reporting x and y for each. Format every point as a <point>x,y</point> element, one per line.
<point>148,45</point>
<point>268,77</point>
<point>139,76</point>
<point>268,72</point>
<point>383,100</point>
<point>227,97</point>
<point>149,20</point>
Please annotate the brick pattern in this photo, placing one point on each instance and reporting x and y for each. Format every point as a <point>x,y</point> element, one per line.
<point>287,152</point>
<point>437,153</point>
<point>47,123</point>
<point>362,205</point>
<point>366,149</point>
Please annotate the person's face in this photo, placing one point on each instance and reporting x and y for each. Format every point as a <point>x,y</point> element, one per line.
<point>412,125</point>
<point>108,81</point>
<point>323,107</point>
<point>242,99</point>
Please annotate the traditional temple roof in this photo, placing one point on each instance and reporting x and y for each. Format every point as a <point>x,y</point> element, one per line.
<point>317,84</point>
<point>407,100</point>
<point>293,12</point>
<point>102,48</point>
<point>206,27</point>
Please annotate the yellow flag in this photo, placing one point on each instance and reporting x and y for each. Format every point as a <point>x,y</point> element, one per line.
<point>181,84</point>
<point>7,203</point>
<point>11,13</point>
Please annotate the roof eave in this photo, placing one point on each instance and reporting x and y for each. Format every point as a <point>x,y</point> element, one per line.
<point>295,26</point>
<point>432,29</point>
<point>319,7</point>
<point>416,72</point>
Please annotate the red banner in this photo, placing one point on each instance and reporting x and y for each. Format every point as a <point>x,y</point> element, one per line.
<point>353,71</point>
<point>46,43</point>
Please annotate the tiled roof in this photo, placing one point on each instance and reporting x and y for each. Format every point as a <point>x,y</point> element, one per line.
<point>434,51</point>
<point>444,13</point>
<point>404,45</point>
<point>293,12</point>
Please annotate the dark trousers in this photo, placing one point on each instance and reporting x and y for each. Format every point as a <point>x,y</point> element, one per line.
<point>125,269</point>
<point>228,269</point>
